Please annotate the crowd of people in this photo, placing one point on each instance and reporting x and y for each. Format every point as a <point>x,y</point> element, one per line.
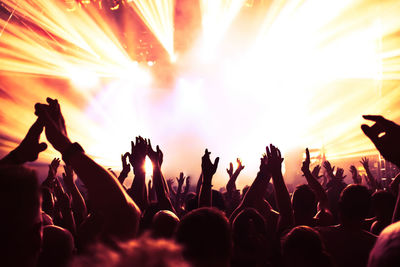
<point>323,222</point>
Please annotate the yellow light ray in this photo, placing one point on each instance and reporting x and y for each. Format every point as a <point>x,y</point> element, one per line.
<point>158,15</point>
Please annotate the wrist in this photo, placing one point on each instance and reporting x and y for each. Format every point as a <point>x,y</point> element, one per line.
<point>70,151</point>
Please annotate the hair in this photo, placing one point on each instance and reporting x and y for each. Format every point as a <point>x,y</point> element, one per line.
<point>354,203</point>
<point>144,252</point>
<point>303,246</point>
<point>383,203</point>
<point>249,229</point>
<point>304,200</point>
<point>206,236</point>
<point>164,224</point>
<point>57,247</point>
<point>250,239</point>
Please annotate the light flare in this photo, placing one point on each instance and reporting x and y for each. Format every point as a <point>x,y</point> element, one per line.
<point>158,15</point>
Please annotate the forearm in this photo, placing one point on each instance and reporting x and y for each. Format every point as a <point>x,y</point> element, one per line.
<point>205,194</point>
<point>12,158</point>
<point>138,190</point>
<point>78,203</point>
<point>317,188</point>
<point>68,221</point>
<point>283,200</point>
<point>162,194</point>
<point>257,190</point>
<point>107,195</point>
<point>122,176</point>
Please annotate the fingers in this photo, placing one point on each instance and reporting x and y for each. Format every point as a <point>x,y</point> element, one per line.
<point>385,123</point>
<point>307,154</point>
<point>35,130</point>
<point>216,161</point>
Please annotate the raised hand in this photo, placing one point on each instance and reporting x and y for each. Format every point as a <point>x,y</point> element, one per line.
<point>138,154</point>
<point>365,162</point>
<point>306,163</point>
<point>29,148</point>
<point>56,132</point>
<point>208,168</point>
<point>126,167</point>
<point>53,167</point>
<point>51,176</point>
<point>181,179</point>
<point>315,172</point>
<point>274,158</point>
<point>155,156</point>
<point>230,170</point>
<point>264,170</point>
<point>329,169</point>
<point>385,135</point>
<point>339,174</point>
<point>354,175</point>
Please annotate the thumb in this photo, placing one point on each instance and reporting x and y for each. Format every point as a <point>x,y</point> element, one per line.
<point>42,147</point>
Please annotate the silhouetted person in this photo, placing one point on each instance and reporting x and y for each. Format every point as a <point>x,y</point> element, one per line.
<point>347,243</point>
<point>206,237</point>
<point>383,203</point>
<point>164,224</point>
<point>21,223</point>
<point>303,247</point>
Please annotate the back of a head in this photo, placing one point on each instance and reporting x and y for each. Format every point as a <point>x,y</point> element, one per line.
<point>304,201</point>
<point>164,224</point>
<point>143,252</point>
<point>248,229</point>
<point>386,249</point>
<point>250,247</point>
<point>383,203</point>
<point>20,227</point>
<point>354,203</point>
<point>57,247</point>
<point>206,237</point>
<point>303,246</point>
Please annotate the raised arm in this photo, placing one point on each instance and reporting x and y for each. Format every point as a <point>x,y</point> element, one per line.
<point>78,203</point>
<point>29,148</point>
<point>138,191</point>
<point>313,182</point>
<point>281,193</point>
<point>126,168</point>
<point>208,170</point>
<point>233,175</point>
<point>120,213</point>
<point>371,179</point>
<point>159,183</point>
<point>254,197</point>
<point>64,204</point>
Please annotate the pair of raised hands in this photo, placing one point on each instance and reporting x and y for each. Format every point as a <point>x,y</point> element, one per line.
<point>271,161</point>
<point>139,150</point>
<point>50,119</point>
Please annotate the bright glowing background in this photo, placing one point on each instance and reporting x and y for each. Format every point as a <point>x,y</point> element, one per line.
<point>301,77</point>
